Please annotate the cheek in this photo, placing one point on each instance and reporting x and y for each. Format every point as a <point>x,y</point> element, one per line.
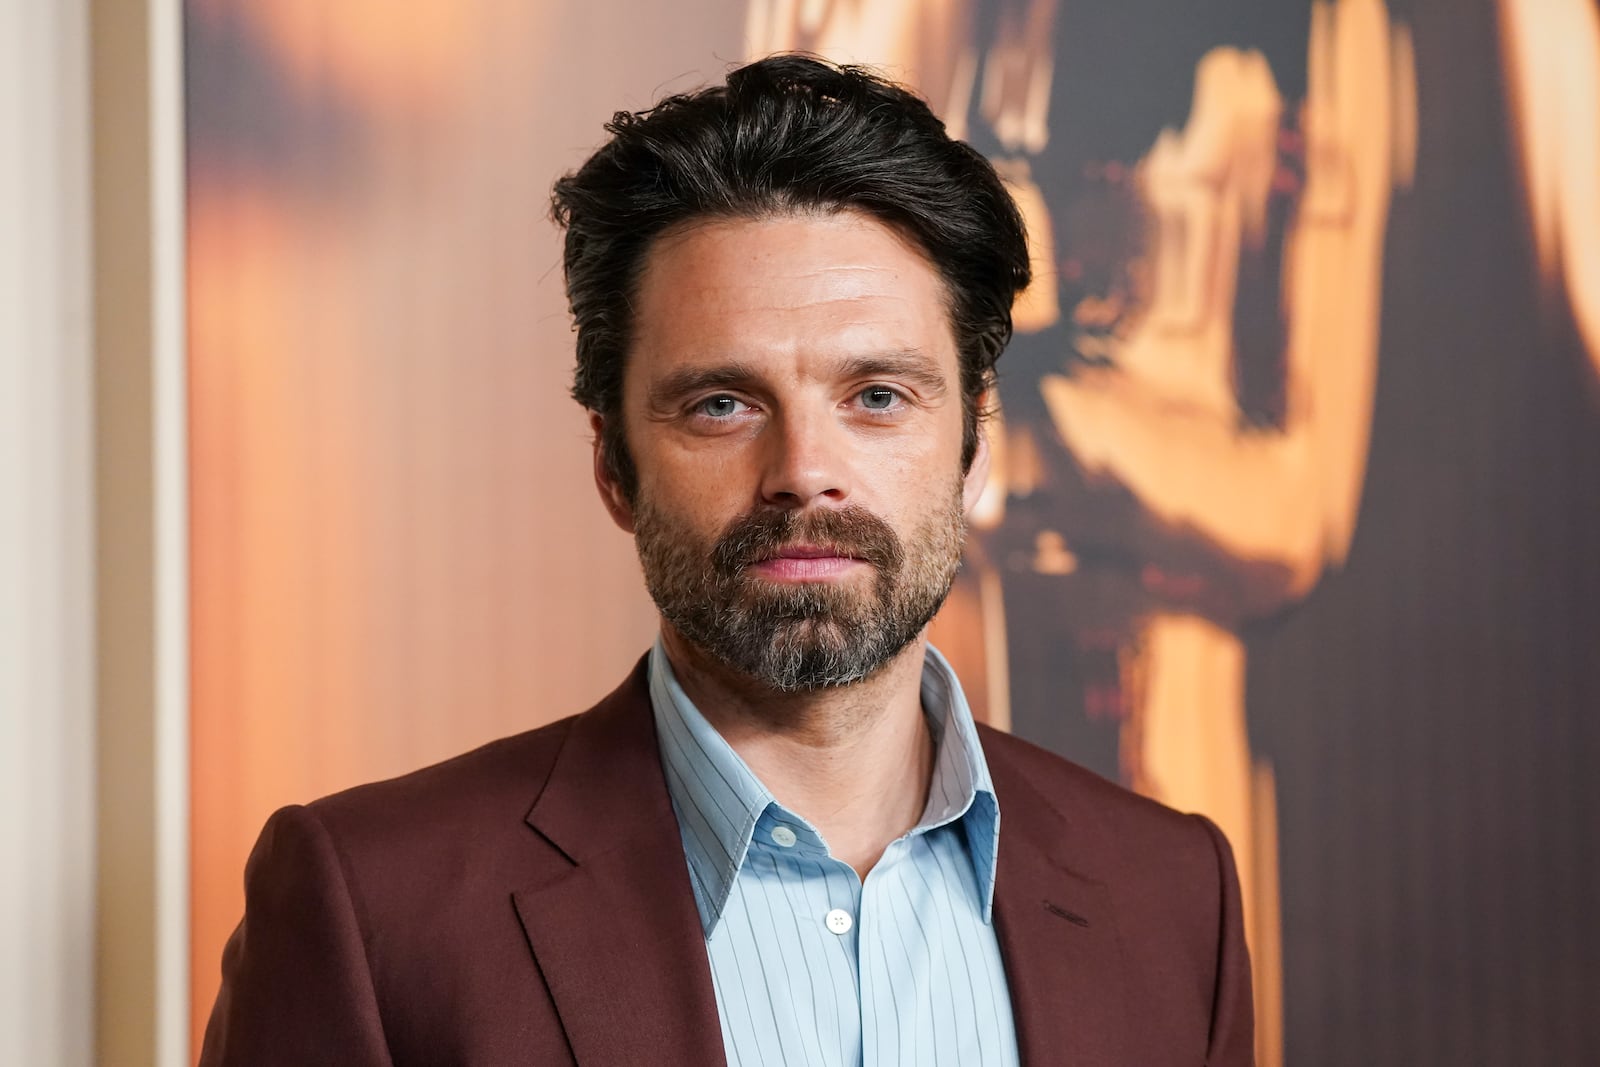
<point>925,456</point>
<point>700,493</point>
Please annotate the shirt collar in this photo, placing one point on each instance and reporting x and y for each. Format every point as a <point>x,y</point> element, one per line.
<point>719,800</point>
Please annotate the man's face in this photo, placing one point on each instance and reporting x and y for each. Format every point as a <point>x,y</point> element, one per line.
<point>792,404</point>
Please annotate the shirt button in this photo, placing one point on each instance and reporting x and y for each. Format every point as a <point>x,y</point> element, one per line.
<point>784,836</point>
<point>839,921</point>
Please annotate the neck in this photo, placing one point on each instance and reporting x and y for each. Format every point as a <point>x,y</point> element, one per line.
<point>854,761</point>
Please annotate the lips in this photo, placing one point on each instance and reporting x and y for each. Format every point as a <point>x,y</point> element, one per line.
<point>811,552</point>
<point>775,542</point>
<point>816,567</point>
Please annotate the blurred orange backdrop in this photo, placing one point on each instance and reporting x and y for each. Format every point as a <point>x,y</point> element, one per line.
<point>397,552</point>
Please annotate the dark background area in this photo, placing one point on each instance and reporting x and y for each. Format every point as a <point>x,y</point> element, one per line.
<point>1432,709</point>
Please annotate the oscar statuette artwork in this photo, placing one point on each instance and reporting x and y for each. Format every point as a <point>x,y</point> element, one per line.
<point>1184,418</point>
<point>1292,511</point>
<point>1551,55</point>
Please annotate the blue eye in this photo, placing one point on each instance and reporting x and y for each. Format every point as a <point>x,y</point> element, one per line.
<point>878,398</point>
<point>719,407</point>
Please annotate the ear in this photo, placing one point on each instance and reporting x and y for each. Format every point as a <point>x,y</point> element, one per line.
<point>977,475</point>
<point>611,494</point>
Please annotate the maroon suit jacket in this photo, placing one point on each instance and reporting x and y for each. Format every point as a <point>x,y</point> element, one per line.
<point>529,903</point>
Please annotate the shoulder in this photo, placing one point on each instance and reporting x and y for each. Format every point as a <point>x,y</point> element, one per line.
<point>472,805</point>
<point>1067,786</point>
<point>391,903</point>
<point>1167,877</point>
<point>1113,829</point>
<point>493,785</point>
<point>497,777</point>
<point>418,834</point>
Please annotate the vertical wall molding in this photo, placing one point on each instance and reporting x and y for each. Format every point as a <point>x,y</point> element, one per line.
<point>141,533</point>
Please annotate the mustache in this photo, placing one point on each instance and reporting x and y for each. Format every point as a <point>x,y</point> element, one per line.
<point>848,531</point>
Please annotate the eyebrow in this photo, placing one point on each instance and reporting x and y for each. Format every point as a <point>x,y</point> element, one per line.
<point>690,380</point>
<point>909,364</point>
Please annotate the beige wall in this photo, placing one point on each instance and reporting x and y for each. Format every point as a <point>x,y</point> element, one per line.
<point>46,609</point>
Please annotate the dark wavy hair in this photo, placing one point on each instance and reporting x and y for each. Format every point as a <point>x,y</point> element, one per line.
<point>785,135</point>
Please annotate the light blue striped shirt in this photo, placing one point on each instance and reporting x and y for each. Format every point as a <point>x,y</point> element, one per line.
<point>810,964</point>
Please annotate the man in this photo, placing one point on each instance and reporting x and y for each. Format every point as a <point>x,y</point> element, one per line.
<point>779,841</point>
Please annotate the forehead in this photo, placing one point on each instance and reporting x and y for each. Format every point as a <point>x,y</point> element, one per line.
<point>790,289</point>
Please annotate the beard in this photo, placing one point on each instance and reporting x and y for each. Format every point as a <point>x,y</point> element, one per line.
<point>807,635</point>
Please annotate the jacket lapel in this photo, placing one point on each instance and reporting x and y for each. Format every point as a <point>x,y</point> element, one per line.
<point>614,929</point>
<point>1057,932</point>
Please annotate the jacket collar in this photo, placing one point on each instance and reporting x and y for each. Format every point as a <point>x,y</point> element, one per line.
<point>618,937</point>
<point>614,928</point>
<point>1057,925</point>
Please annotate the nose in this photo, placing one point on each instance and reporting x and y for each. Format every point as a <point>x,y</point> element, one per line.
<point>806,460</point>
